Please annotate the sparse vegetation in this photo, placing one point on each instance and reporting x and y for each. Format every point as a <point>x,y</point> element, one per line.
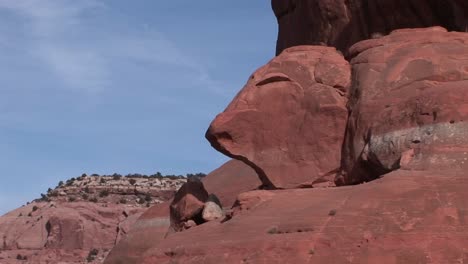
<point>44,198</point>
<point>92,255</point>
<point>103,193</point>
<point>148,197</point>
<point>273,230</point>
<point>71,198</point>
<point>93,200</point>
<point>132,181</point>
<point>85,196</point>
<point>123,200</point>
<point>70,182</point>
<point>332,212</point>
<point>35,208</point>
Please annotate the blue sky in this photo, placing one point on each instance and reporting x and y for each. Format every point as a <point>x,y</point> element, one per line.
<point>119,86</point>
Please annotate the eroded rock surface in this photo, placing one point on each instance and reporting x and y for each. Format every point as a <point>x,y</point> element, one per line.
<point>232,178</point>
<point>188,204</point>
<point>408,104</point>
<point>406,217</point>
<point>213,209</point>
<point>226,182</point>
<point>288,121</point>
<point>341,23</point>
<point>64,232</point>
<point>145,233</point>
<point>80,220</point>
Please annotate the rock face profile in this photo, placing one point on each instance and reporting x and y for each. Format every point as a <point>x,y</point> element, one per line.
<point>288,121</point>
<point>341,23</point>
<point>408,104</point>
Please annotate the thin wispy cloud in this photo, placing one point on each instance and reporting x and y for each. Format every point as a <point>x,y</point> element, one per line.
<point>47,25</point>
<point>53,27</point>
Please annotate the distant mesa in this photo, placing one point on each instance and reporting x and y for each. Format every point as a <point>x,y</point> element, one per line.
<point>81,219</point>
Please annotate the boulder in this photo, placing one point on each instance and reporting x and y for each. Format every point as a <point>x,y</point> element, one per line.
<point>341,23</point>
<point>408,104</point>
<point>288,122</point>
<point>188,204</point>
<point>405,217</point>
<point>213,209</point>
<point>189,224</point>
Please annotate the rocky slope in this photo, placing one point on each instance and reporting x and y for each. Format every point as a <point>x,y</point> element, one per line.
<point>80,220</point>
<point>405,217</point>
<point>152,227</point>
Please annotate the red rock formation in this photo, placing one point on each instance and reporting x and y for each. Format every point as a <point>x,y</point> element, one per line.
<point>188,204</point>
<point>66,225</point>
<point>406,217</point>
<point>408,104</point>
<point>288,121</point>
<point>146,233</point>
<point>66,232</point>
<point>341,23</point>
<point>226,182</point>
<point>229,180</point>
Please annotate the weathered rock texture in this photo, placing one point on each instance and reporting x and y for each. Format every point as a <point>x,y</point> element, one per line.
<point>152,227</point>
<point>78,217</point>
<point>188,204</point>
<point>288,121</point>
<point>119,189</point>
<point>146,233</point>
<point>406,217</point>
<point>341,23</point>
<point>229,180</point>
<point>409,104</point>
<point>63,232</point>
